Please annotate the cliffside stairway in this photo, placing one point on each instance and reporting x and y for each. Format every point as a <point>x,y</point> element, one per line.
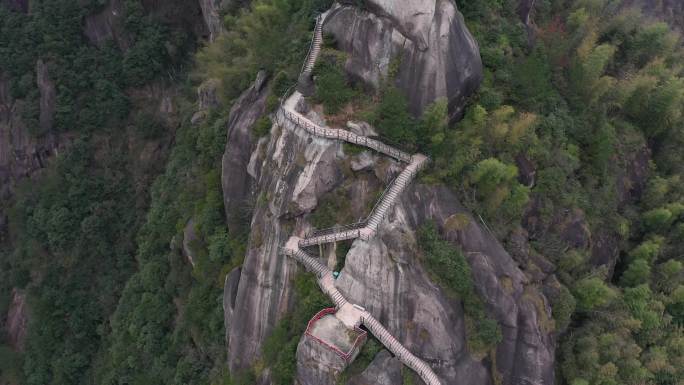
<point>351,314</point>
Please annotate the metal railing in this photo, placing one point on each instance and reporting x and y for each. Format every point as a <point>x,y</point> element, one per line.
<point>403,354</point>
<point>335,229</point>
<point>348,136</point>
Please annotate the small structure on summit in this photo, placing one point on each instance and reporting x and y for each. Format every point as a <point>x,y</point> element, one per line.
<point>326,329</point>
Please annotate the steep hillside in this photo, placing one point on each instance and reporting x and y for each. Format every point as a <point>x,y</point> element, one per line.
<point>313,192</point>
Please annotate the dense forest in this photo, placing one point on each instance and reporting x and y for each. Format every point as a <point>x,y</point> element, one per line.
<point>588,93</point>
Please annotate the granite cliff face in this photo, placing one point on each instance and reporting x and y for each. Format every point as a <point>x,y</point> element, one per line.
<point>106,25</point>
<point>17,320</point>
<point>290,172</point>
<point>21,153</point>
<point>437,56</point>
<point>383,274</point>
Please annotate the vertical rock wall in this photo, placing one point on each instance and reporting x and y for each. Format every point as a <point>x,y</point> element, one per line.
<point>437,57</point>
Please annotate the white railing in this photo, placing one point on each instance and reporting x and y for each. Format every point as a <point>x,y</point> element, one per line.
<point>347,136</point>
<point>403,354</point>
<point>382,207</point>
<point>314,47</point>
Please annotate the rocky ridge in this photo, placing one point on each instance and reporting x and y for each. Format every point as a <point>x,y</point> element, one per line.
<point>425,44</point>
<point>291,172</point>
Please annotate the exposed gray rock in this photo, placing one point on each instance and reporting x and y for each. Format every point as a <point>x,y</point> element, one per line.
<point>290,172</point>
<point>631,180</point>
<point>317,364</point>
<point>211,10</point>
<point>526,354</point>
<point>438,57</point>
<point>189,238</point>
<point>230,288</point>
<point>362,128</point>
<point>525,11</point>
<point>385,276</point>
<point>527,171</point>
<point>235,180</point>
<point>383,370</point>
<point>107,25</point>
<point>573,228</point>
<point>207,99</point>
<point>605,250</point>
<point>362,161</point>
<point>17,319</point>
<point>525,8</point>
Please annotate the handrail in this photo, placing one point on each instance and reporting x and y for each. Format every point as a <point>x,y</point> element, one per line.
<point>311,45</point>
<point>335,229</point>
<point>355,230</point>
<point>382,196</point>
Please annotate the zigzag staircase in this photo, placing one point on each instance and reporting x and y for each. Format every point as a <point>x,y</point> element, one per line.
<point>364,230</point>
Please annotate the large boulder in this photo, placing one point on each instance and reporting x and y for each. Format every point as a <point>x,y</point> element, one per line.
<point>230,288</point>
<point>383,370</point>
<point>437,56</point>
<point>385,274</point>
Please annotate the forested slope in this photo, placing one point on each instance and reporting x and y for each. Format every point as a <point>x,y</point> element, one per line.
<point>124,126</point>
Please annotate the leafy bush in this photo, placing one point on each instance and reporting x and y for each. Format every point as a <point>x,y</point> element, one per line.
<point>262,127</point>
<point>592,293</point>
<point>392,118</point>
<point>332,88</point>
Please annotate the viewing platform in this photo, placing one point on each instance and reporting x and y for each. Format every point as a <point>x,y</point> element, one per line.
<point>328,330</point>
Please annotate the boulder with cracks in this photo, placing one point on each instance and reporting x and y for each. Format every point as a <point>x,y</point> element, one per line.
<point>425,42</point>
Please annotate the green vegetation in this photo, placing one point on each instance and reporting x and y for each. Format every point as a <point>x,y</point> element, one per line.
<point>280,348</point>
<point>449,269</point>
<point>599,87</point>
<point>270,35</point>
<point>112,303</point>
<point>368,352</point>
<point>332,87</point>
<point>90,81</point>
